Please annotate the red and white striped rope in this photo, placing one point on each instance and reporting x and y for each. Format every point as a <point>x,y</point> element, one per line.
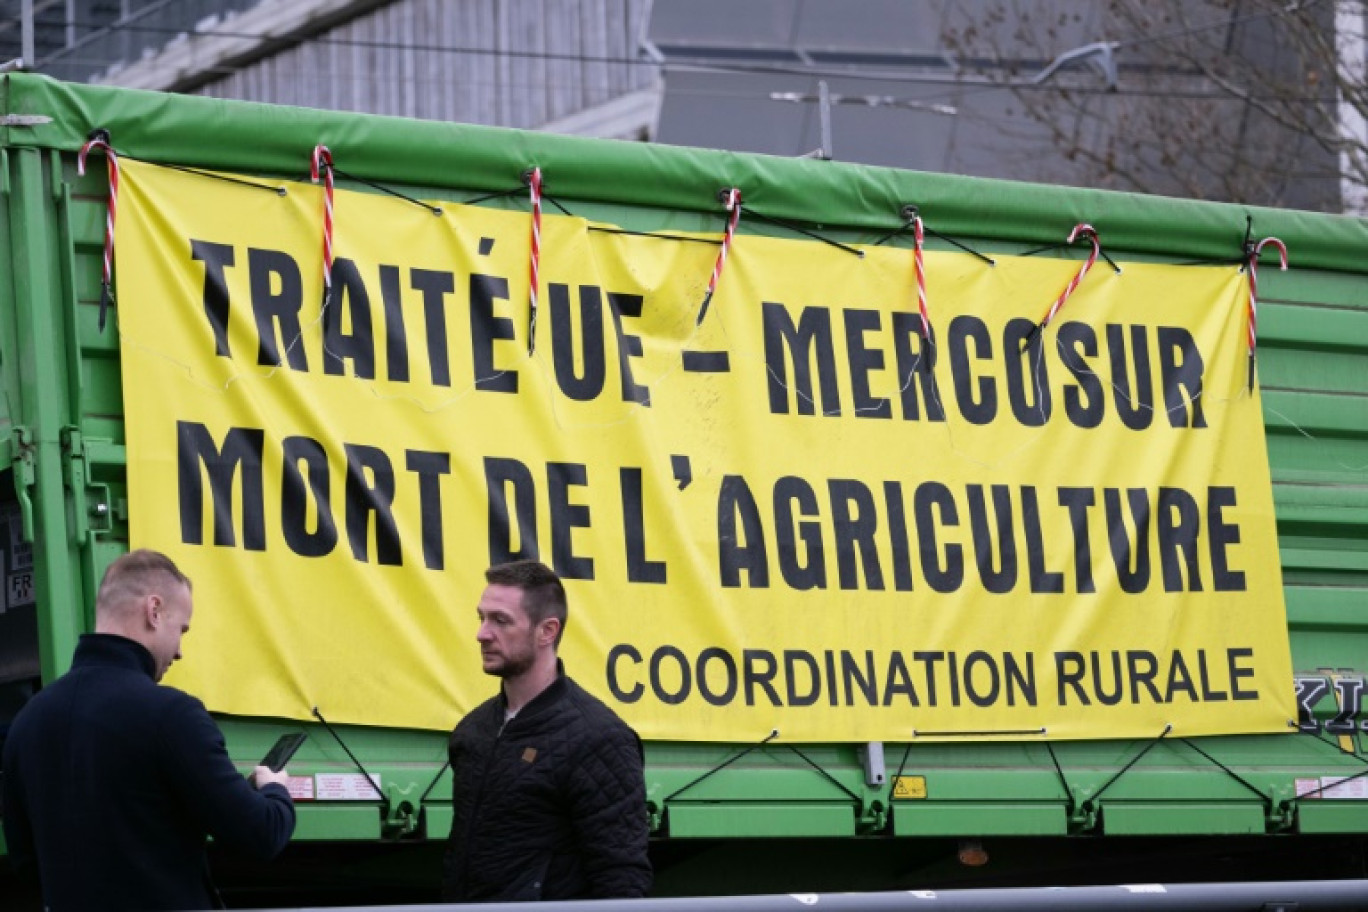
<point>1082,228</point>
<point>733,205</point>
<point>321,165</point>
<point>534,182</point>
<point>1254,283</point>
<point>918,239</point>
<point>111,213</point>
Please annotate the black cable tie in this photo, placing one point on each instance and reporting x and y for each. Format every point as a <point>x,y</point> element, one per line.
<point>555,202</point>
<point>106,301</point>
<point>493,196</point>
<point>319,716</point>
<point>908,214</point>
<point>614,229</point>
<point>830,778</point>
<point>435,210</point>
<point>1248,245</point>
<point>901,229</point>
<point>1036,332</point>
<point>799,229</point>
<point>1103,251</point>
<point>277,189</point>
<point>1046,249</point>
<point>967,249</point>
<point>902,764</point>
<point>433,784</point>
<point>1168,727</point>
<point>1063,781</point>
<point>977,733</point>
<point>1229,772</point>
<point>703,308</point>
<point>721,766</point>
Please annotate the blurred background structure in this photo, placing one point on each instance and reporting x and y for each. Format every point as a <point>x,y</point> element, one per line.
<point>1253,101</point>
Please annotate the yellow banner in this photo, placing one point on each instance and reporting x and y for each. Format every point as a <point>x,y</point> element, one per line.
<point>788,518</point>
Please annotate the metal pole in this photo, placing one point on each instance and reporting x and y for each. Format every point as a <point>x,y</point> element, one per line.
<point>26,33</point>
<point>824,105</point>
<point>1279,896</point>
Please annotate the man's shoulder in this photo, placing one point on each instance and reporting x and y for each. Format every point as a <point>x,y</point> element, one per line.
<point>594,713</point>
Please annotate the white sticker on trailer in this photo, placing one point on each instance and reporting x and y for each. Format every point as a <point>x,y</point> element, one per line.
<point>1344,788</point>
<point>345,787</point>
<point>301,788</point>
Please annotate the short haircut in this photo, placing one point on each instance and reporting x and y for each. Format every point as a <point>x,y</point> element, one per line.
<point>134,575</point>
<point>543,594</point>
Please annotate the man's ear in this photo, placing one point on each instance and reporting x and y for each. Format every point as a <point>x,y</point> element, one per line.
<point>550,629</point>
<point>152,610</point>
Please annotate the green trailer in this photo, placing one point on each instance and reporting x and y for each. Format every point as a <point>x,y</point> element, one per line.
<point>770,816</point>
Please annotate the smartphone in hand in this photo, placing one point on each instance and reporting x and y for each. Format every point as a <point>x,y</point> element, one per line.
<point>281,752</point>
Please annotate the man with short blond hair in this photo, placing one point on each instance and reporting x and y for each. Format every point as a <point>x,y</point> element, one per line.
<point>112,783</point>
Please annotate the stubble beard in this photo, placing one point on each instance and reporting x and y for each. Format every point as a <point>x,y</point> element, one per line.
<point>511,667</point>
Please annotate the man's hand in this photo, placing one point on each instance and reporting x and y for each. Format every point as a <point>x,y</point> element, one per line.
<point>264,775</point>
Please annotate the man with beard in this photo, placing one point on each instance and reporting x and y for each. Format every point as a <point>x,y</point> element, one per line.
<point>548,791</point>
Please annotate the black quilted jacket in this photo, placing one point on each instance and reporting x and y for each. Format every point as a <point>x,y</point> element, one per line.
<point>551,807</point>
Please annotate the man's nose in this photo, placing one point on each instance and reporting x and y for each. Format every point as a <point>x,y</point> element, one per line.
<point>483,635</point>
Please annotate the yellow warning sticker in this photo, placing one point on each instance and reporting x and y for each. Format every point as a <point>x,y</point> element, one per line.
<point>909,787</point>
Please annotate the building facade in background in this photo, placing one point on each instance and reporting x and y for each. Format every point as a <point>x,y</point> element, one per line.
<point>1253,101</point>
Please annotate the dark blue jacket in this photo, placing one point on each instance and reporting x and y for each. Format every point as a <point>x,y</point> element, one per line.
<point>112,783</point>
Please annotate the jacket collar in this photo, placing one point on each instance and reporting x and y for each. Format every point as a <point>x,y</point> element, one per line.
<point>553,692</point>
<point>109,650</point>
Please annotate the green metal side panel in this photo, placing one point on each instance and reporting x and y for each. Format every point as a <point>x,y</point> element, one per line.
<point>62,383</point>
<point>337,822</point>
<point>741,819</point>
<point>1202,818</point>
<point>1333,817</point>
<point>986,818</point>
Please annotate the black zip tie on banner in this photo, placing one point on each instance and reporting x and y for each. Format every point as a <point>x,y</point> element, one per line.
<point>501,194</point>
<point>1088,233</point>
<point>1101,251</point>
<point>435,210</point>
<point>277,189</point>
<point>799,229</point>
<point>909,214</point>
<point>721,766</point>
<point>976,733</point>
<point>336,737</point>
<point>614,229</point>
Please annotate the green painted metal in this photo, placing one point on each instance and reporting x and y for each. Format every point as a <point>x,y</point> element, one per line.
<point>36,267</point>
<point>1203,818</point>
<point>63,440</point>
<point>742,819</point>
<point>980,818</point>
<point>1332,817</point>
